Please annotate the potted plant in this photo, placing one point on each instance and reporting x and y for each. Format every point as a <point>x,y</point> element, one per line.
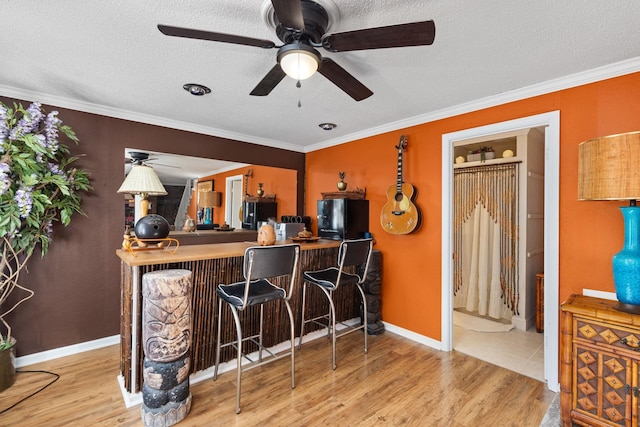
<point>482,153</point>
<point>342,186</point>
<point>39,185</point>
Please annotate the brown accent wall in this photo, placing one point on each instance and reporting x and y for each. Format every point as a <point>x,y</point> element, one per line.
<point>77,284</point>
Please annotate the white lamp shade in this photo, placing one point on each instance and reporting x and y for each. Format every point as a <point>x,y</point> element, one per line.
<point>142,179</point>
<point>299,64</point>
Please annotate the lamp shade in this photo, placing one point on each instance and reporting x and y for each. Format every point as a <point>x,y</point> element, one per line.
<point>609,167</point>
<point>210,199</point>
<point>142,179</point>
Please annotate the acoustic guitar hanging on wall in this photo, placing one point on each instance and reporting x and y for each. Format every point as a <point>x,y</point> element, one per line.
<point>400,215</point>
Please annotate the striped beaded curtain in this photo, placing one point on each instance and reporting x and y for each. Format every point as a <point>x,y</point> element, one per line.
<point>494,188</point>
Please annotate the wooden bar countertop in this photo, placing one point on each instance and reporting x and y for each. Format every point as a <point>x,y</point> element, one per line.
<point>202,252</point>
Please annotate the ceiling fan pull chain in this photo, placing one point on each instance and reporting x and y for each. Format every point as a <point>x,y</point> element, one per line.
<point>299,85</point>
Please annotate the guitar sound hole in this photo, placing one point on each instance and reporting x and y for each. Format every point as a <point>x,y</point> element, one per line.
<point>398,197</point>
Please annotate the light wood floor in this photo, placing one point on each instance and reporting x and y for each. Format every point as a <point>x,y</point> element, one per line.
<point>398,382</point>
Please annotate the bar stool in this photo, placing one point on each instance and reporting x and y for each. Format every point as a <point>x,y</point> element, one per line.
<point>351,253</point>
<point>261,263</point>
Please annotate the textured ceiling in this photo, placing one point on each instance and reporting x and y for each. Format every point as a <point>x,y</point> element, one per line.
<point>109,57</point>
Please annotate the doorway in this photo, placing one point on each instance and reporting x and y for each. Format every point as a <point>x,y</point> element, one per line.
<point>551,124</point>
<point>233,201</point>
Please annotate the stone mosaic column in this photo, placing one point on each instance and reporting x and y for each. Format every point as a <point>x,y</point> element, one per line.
<point>166,339</point>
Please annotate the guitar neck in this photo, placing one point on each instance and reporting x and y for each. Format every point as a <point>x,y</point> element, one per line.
<point>399,181</point>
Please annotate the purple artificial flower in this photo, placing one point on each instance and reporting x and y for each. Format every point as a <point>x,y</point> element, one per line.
<point>31,120</point>
<point>5,181</point>
<point>48,229</point>
<point>24,201</point>
<point>51,124</point>
<point>54,168</point>
<point>4,128</point>
<point>28,123</point>
<point>42,140</point>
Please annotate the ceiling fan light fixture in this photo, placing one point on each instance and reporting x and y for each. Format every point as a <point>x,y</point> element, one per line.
<point>298,60</point>
<point>196,89</point>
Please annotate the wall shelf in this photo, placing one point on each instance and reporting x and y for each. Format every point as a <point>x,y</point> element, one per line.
<point>499,161</point>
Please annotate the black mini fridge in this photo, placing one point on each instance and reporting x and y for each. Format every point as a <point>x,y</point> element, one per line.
<point>254,212</point>
<point>340,219</point>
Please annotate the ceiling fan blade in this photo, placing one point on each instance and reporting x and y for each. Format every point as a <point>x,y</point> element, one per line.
<point>270,81</point>
<point>162,165</point>
<point>345,81</point>
<point>401,35</point>
<point>289,13</point>
<point>215,37</point>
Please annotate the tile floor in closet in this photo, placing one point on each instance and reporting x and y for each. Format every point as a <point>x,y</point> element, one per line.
<point>519,351</point>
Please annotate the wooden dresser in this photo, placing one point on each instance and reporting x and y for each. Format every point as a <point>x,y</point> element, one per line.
<point>599,363</point>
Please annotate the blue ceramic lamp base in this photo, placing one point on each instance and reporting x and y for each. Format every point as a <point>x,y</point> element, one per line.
<point>626,263</point>
<point>207,216</point>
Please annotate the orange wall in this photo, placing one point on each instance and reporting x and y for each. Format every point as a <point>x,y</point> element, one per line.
<point>590,232</point>
<point>278,181</point>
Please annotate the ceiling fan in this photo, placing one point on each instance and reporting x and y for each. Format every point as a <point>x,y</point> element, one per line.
<point>142,158</point>
<point>301,25</point>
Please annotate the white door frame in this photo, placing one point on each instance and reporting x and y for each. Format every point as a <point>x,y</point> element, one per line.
<point>551,122</point>
<point>229,197</point>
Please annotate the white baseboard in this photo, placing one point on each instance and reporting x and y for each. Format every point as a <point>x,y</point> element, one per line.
<point>599,294</point>
<point>524,324</point>
<point>69,350</point>
<point>430,342</point>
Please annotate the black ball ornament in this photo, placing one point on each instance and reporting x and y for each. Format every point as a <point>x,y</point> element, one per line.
<point>152,226</point>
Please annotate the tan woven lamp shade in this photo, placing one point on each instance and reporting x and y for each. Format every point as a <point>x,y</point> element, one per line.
<point>609,167</point>
<point>210,199</point>
<point>142,179</point>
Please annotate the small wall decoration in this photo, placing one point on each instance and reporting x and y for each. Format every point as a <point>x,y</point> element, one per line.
<point>342,186</point>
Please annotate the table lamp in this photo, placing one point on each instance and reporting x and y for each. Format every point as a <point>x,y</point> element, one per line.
<point>609,169</point>
<point>143,181</point>
<point>209,200</point>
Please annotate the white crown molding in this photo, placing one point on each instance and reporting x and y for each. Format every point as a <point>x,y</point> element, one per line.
<point>103,110</point>
<point>585,77</point>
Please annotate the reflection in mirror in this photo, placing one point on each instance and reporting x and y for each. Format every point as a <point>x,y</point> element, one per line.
<point>179,174</point>
<point>174,169</point>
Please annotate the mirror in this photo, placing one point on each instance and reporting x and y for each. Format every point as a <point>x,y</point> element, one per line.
<point>176,170</point>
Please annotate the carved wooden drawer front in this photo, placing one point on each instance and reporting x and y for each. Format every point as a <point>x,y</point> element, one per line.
<point>602,384</point>
<point>607,334</point>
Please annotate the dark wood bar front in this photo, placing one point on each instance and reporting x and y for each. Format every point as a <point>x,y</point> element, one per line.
<point>210,265</point>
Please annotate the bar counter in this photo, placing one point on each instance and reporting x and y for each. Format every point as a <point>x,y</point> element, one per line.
<point>210,265</point>
<point>205,237</point>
